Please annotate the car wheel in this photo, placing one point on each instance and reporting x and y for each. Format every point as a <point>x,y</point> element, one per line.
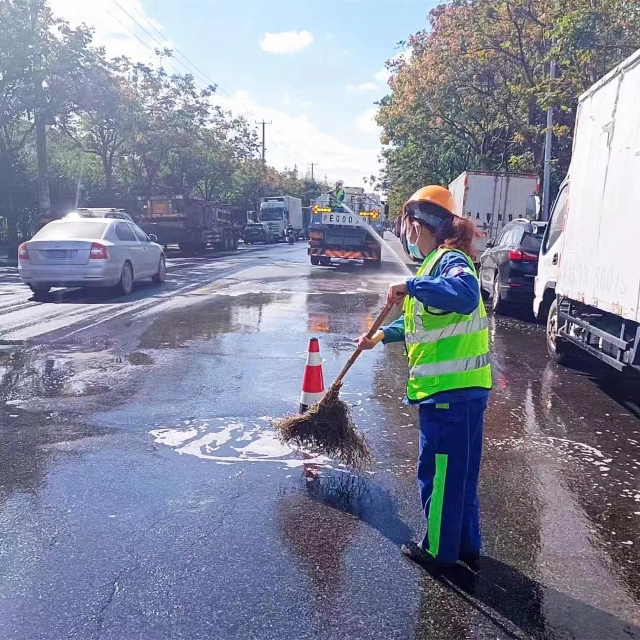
<point>126,279</point>
<point>40,293</point>
<point>557,348</point>
<point>497,303</point>
<point>162,271</point>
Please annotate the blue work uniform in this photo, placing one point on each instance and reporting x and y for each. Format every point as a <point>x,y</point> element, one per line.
<point>451,422</point>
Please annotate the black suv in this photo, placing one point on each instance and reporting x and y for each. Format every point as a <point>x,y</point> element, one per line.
<point>509,265</point>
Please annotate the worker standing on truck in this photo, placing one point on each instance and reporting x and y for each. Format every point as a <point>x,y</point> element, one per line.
<point>336,197</point>
<point>444,327</point>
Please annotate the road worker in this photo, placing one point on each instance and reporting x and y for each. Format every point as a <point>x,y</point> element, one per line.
<point>444,327</point>
<point>337,196</point>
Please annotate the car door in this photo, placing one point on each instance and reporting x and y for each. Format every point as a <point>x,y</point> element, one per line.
<point>549,261</point>
<point>131,249</point>
<point>500,256</point>
<point>488,263</point>
<point>151,251</point>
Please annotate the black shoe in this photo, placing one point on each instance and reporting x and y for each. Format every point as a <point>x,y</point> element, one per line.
<point>472,561</point>
<point>415,552</point>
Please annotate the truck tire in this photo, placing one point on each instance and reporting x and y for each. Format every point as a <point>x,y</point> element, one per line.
<point>325,262</point>
<point>187,249</point>
<point>558,349</point>
<point>315,261</point>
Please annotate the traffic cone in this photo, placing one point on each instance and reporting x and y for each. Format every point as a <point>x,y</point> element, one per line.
<point>312,381</point>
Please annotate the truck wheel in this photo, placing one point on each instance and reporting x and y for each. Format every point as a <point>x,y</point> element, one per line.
<point>497,303</point>
<point>325,262</point>
<point>315,261</point>
<point>557,348</point>
<point>187,248</point>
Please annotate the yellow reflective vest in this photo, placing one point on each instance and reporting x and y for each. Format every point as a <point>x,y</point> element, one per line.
<point>447,350</point>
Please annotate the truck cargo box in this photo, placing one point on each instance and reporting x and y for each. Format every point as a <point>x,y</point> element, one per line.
<point>491,200</point>
<point>600,262</point>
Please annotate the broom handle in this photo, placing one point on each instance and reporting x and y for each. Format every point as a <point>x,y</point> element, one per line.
<point>354,356</point>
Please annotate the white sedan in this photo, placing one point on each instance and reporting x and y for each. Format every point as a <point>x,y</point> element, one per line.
<point>89,252</point>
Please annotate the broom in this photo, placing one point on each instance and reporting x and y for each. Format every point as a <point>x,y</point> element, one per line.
<point>328,425</point>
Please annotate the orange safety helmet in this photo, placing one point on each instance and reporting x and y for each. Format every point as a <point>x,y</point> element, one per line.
<point>432,194</point>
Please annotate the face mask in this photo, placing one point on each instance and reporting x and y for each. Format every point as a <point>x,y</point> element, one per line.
<point>413,249</point>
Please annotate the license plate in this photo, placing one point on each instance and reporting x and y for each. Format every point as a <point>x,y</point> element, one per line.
<point>343,218</point>
<point>60,253</point>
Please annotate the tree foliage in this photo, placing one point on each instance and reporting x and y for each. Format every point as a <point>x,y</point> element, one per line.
<point>474,92</point>
<point>117,130</point>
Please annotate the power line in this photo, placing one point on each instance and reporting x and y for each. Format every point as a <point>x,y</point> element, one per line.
<point>190,66</point>
<point>193,67</point>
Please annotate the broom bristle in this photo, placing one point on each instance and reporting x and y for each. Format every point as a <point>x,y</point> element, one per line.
<point>327,427</point>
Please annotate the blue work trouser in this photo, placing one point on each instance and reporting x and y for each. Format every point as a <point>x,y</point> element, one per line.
<point>448,468</point>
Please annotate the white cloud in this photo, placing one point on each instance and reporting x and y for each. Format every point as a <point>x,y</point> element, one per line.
<point>286,42</point>
<point>295,139</point>
<point>366,121</point>
<point>113,27</point>
<point>363,87</point>
<point>382,75</point>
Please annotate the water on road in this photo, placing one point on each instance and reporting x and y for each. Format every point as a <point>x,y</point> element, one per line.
<point>143,493</point>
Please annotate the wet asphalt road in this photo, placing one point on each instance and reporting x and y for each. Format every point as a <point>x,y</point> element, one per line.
<point>143,494</point>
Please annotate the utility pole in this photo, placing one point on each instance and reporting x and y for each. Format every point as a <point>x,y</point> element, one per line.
<point>40,113</point>
<point>548,141</point>
<point>264,124</point>
<point>312,164</point>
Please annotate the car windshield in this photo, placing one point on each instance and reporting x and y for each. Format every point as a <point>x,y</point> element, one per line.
<point>63,231</point>
<point>271,214</point>
<point>532,241</point>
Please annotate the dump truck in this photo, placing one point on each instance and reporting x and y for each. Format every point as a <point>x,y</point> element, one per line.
<point>588,283</point>
<point>194,225</point>
<point>281,211</point>
<point>339,232</point>
<point>491,200</point>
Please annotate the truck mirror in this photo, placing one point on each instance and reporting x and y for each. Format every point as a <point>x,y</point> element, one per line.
<point>532,209</point>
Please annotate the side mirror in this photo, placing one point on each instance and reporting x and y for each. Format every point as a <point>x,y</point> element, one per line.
<point>153,237</point>
<point>532,209</point>
<point>490,243</point>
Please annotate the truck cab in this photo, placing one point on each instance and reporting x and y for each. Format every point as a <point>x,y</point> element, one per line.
<point>549,260</point>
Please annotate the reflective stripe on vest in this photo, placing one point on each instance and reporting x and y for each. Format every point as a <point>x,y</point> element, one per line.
<point>447,351</point>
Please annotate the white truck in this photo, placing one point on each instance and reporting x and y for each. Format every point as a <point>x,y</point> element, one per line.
<point>589,271</point>
<point>491,200</point>
<point>279,212</point>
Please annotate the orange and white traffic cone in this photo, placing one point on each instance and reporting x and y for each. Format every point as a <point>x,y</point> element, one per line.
<point>312,381</point>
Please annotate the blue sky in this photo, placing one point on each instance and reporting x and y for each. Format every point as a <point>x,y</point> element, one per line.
<point>312,67</point>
